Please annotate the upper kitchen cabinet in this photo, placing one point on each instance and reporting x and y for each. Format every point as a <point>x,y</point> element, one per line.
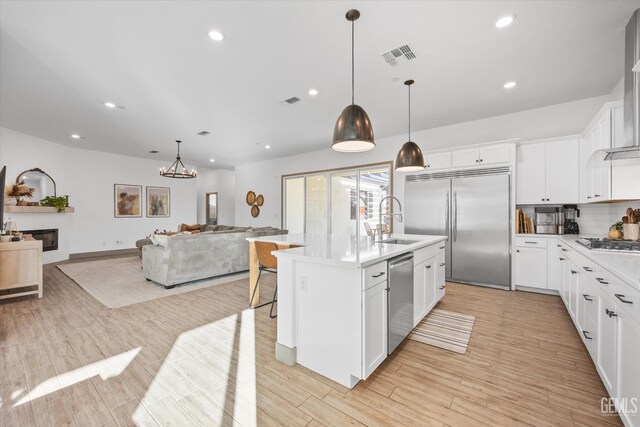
<point>438,160</point>
<point>603,180</point>
<point>547,172</point>
<point>481,155</point>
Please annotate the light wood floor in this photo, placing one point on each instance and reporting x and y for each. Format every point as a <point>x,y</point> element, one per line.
<point>201,358</point>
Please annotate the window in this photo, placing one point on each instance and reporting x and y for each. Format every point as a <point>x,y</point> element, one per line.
<point>336,201</point>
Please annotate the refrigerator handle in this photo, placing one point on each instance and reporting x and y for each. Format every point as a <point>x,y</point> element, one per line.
<point>446,215</point>
<point>455,215</point>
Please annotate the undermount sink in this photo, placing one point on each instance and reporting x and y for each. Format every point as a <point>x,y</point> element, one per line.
<point>395,241</point>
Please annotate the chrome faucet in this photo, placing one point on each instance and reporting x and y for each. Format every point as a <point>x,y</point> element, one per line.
<point>387,215</point>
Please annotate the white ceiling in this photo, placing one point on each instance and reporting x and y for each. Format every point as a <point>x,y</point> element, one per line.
<point>61,60</point>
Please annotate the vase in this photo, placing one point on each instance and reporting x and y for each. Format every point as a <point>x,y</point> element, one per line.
<point>631,231</point>
<point>22,203</point>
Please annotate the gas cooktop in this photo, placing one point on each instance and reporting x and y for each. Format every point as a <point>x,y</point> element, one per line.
<point>609,244</point>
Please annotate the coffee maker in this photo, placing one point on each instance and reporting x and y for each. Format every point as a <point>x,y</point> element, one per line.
<point>571,214</point>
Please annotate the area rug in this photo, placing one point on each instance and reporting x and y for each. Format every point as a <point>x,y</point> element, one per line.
<point>445,329</point>
<point>118,282</point>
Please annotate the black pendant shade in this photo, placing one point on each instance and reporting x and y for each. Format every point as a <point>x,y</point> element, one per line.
<point>353,131</point>
<point>410,158</point>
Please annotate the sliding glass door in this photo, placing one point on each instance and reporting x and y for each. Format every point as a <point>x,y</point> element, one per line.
<point>339,201</point>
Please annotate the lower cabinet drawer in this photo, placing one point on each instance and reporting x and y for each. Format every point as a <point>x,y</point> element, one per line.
<point>531,242</point>
<point>374,274</point>
<point>423,254</point>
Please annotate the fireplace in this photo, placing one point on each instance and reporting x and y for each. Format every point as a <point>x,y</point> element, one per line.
<point>49,238</point>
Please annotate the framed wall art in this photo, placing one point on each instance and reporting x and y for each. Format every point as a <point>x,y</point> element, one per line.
<point>158,202</point>
<point>127,201</point>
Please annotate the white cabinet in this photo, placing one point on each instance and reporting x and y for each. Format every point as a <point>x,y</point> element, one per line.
<point>548,172</point>
<point>481,156</point>
<point>467,157</point>
<point>375,327</point>
<point>562,171</point>
<point>530,174</point>
<point>555,256</point>
<point>531,267</point>
<point>440,275</point>
<point>440,160</point>
<point>629,369</point>
<point>424,289</point>
<point>494,154</point>
<point>597,174</point>
<point>608,354</point>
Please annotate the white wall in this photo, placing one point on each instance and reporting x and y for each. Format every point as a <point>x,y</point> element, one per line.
<point>224,183</point>
<point>88,178</point>
<point>264,177</point>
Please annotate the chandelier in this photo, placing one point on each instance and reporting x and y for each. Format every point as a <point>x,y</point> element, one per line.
<point>178,169</point>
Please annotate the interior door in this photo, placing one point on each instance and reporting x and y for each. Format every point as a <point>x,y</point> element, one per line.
<point>427,211</point>
<point>480,231</point>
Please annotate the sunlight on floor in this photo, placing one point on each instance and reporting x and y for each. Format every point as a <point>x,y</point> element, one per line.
<point>105,369</point>
<point>210,373</point>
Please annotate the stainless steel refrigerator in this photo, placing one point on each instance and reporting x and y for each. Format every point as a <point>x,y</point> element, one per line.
<point>472,208</point>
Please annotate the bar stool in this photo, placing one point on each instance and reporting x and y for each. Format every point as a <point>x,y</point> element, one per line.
<point>267,262</point>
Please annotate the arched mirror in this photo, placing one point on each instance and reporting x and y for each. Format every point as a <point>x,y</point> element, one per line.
<point>212,208</point>
<point>40,180</point>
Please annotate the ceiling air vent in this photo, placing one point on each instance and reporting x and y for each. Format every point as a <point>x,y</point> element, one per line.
<point>292,100</point>
<point>204,133</point>
<point>397,56</point>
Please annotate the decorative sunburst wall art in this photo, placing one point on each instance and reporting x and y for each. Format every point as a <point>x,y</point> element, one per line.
<point>255,202</point>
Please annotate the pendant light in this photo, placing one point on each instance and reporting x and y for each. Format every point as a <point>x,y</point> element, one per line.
<point>178,169</point>
<point>410,158</point>
<point>353,131</point>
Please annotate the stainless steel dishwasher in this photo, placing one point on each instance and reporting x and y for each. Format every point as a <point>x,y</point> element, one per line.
<point>400,300</point>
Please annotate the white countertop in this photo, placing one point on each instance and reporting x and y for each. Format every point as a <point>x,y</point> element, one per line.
<point>343,250</point>
<point>624,264</point>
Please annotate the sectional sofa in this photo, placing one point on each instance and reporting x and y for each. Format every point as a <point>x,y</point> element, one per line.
<point>220,250</point>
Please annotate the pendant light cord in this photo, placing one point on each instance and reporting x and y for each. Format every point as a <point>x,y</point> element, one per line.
<point>409,112</point>
<point>353,86</point>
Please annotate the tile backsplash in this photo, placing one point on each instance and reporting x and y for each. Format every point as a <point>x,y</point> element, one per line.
<point>596,218</point>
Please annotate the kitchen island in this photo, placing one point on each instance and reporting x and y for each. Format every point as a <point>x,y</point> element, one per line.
<point>333,296</point>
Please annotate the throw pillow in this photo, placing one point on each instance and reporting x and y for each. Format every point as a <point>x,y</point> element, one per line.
<point>186,227</point>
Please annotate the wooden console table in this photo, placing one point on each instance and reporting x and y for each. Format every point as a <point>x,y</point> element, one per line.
<point>21,266</point>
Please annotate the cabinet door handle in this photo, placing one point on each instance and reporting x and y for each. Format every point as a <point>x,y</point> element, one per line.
<point>542,200</point>
<point>477,161</point>
<point>610,313</point>
<point>518,250</point>
<point>547,200</point>
<point>596,195</point>
<point>587,297</point>
<point>378,275</point>
<point>588,197</point>
<point>428,267</point>
<point>586,335</point>
<point>561,259</point>
<point>601,280</point>
<point>441,247</point>
<point>441,287</point>
<point>621,298</point>
<point>559,246</point>
<point>531,243</point>
<point>442,264</point>
<point>589,269</point>
<point>563,249</point>
<point>574,272</point>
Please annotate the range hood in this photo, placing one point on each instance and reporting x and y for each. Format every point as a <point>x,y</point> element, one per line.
<point>631,148</point>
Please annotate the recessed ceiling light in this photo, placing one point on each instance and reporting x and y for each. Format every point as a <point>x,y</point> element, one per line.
<point>313,92</point>
<point>216,36</point>
<point>110,105</point>
<point>505,21</point>
<point>509,85</point>
<point>75,136</point>
<point>212,160</point>
<point>267,147</point>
